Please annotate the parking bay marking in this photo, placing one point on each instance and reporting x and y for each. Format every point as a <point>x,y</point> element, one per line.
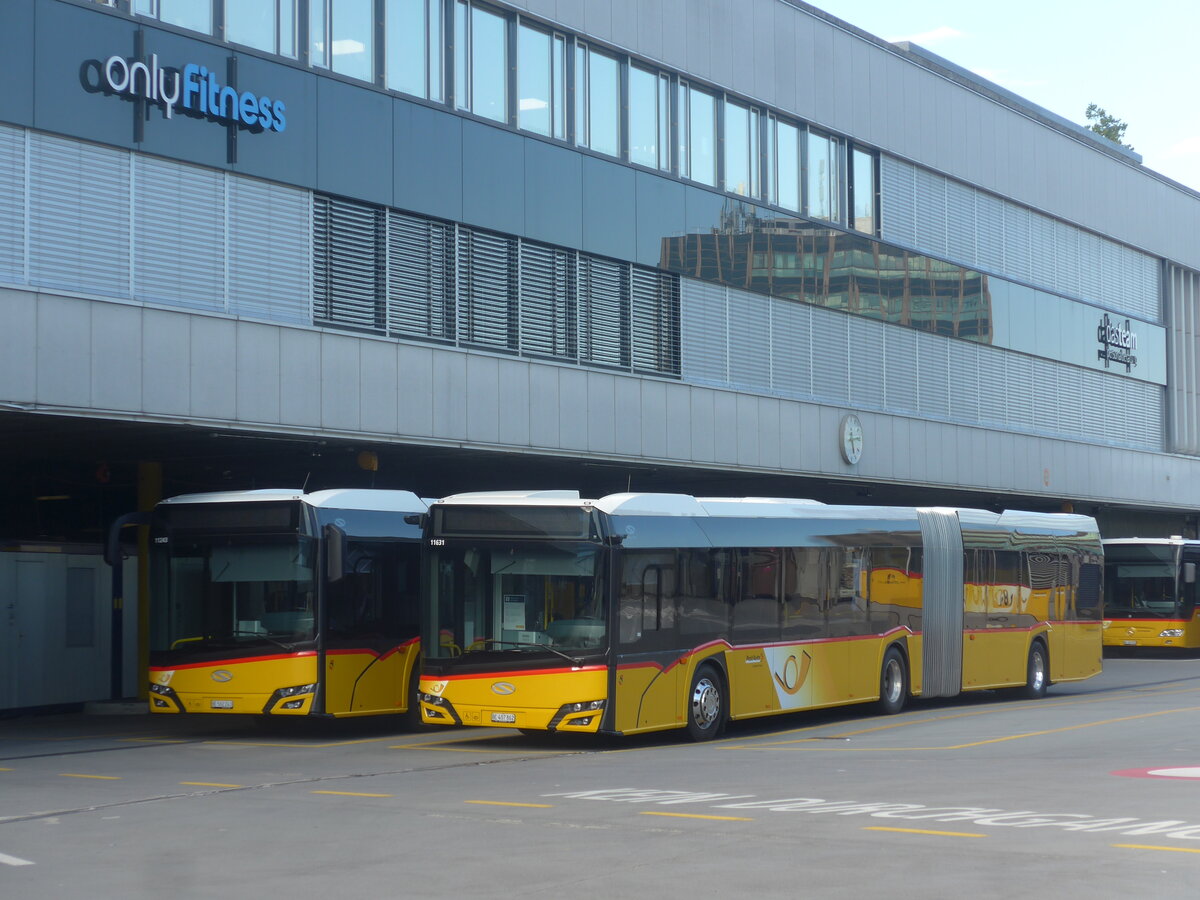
<point>1152,847</point>
<point>508,803</point>
<point>676,815</point>
<point>924,831</point>
<point>98,777</point>
<point>14,860</point>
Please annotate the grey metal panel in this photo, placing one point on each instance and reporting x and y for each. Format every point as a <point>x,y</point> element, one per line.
<point>791,437</point>
<point>942,607</point>
<point>695,29</point>
<point>488,201</point>
<point>76,192</point>
<point>763,58</point>
<point>289,156</point>
<point>650,28</point>
<point>178,210</point>
<point>842,75</point>
<point>414,404</point>
<point>704,425</point>
<point>785,60</point>
<point>257,372</point>
<point>64,352</point>
<point>674,37</point>
<point>726,35</point>
<point>654,419</point>
<point>18,364</point>
<point>769,423</point>
<point>300,377</point>
<point>184,137</point>
<point>116,344</point>
<point>746,429</point>
<point>380,387</point>
<point>213,374</point>
<point>482,399</point>
<point>341,372</point>
<point>963,360</point>
<point>449,389</point>
<point>64,37</point>
<point>543,397</point>
<point>602,412</point>
<point>514,409</point>
<point>270,251</point>
<point>624,27</point>
<point>12,204</point>
<point>627,433</point>
<point>165,352</point>
<point>354,141</point>
<point>572,409</point>
<point>428,160</point>
<point>678,421</point>
<point>868,373</point>
<point>16,64</point>
<point>608,200</point>
<point>554,194</point>
<point>598,20</point>
<point>823,108</point>
<point>725,443</point>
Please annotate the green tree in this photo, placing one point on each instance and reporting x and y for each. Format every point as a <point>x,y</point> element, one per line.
<point>1107,126</point>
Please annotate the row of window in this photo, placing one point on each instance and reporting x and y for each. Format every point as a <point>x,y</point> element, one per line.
<point>388,272</point>
<point>515,71</point>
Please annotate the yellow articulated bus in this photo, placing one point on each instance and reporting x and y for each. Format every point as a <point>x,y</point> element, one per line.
<point>1150,592</point>
<point>641,612</point>
<point>282,603</point>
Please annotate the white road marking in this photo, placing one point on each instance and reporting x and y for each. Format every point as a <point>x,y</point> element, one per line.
<point>14,860</point>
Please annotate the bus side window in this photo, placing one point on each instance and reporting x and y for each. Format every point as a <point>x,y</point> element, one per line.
<point>848,602</point>
<point>803,612</point>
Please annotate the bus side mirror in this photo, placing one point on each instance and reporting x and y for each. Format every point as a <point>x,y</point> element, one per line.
<point>335,553</point>
<point>1189,573</point>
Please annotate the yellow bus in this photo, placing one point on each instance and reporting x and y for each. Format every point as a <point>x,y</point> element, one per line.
<point>282,603</point>
<point>641,612</point>
<point>1150,592</point>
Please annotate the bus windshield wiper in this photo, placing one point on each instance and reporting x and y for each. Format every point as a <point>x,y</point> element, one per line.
<point>266,637</point>
<point>572,660</point>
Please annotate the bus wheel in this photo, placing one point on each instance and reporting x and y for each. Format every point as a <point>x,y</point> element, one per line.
<point>893,683</point>
<point>706,705</point>
<point>1036,679</point>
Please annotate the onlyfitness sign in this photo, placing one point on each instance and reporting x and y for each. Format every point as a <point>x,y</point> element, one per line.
<point>192,89</point>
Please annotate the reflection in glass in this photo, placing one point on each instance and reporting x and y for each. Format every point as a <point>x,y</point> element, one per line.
<point>741,150</point>
<point>318,29</point>
<point>643,117</point>
<point>597,101</point>
<point>697,135</point>
<point>193,14</point>
<point>352,30</point>
<point>803,261</point>
<point>462,96</point>
<point>414,53</point>
<point>863,185</point>
<point>534,74</point>
<point>251,22</point>
<point>824,177</point>
<point>489,65</point>
<point>287,27</point>
<point>784,147</point>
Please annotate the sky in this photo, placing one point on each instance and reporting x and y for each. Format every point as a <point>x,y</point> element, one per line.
<point>1139,61</point>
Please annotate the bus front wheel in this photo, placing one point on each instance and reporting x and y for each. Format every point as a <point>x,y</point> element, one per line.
<point>893,682</point>
<point>706,704</point>
<point>1036,678</point>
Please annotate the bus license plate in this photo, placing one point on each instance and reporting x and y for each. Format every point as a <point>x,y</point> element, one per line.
<point>222,704</point>
<point>1129,643</point>
<point>504,718</point>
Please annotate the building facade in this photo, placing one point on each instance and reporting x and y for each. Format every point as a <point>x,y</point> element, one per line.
<point>723,246</point>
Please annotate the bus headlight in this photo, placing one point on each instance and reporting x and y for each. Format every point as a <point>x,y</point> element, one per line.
<point>1171,632</point>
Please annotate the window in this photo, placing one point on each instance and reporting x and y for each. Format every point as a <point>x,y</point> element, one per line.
<point>824,177</point>
<point>481,61</point>
<point>863,192</point>
<point>263,24</point>
<point>783,155</point>
<point>597,101</point>
<point>414,47</point>
<point>342,37</point>
<point>697,135</point>
<point>649,119</point>
<point>541,75</point>
<point>194,14</point>
<point>741,150</point>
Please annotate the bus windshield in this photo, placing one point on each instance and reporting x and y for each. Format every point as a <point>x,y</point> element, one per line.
<point>505,598</point>
<point>245,593</point>
<point>1140,582</point>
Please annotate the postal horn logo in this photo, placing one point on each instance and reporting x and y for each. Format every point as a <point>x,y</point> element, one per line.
<point>222,676</point>
<point>503,688</point>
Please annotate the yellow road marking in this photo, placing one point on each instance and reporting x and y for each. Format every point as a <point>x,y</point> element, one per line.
<point>3,769</point>
<point>352,794</point>
<point>506,803</point>
<point>1152,847</point>
<point>154,740</point>
<point>696,816</point>
<point>209,784</point>
<point>101,777</point>
<point>923,831</point>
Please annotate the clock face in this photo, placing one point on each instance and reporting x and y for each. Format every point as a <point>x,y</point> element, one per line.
<point>852,439</point>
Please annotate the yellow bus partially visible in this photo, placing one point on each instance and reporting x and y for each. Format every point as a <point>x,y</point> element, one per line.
<point>1150,593</point>
<point>282,603</point>
<point>643,612</point>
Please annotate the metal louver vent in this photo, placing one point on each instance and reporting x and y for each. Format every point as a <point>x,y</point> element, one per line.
<point>655,313</point>
<point>487,265</point>
<point>348,264</point>
<point>548,302</point>
<point>420,280</point>
<point>604,312</point>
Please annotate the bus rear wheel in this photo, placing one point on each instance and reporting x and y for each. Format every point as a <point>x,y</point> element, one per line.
<point>893,682</point>
<point>1036,678</point>
<point>706,704</point>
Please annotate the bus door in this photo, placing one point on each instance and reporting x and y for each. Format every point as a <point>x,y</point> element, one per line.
<point>1189,574</point>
